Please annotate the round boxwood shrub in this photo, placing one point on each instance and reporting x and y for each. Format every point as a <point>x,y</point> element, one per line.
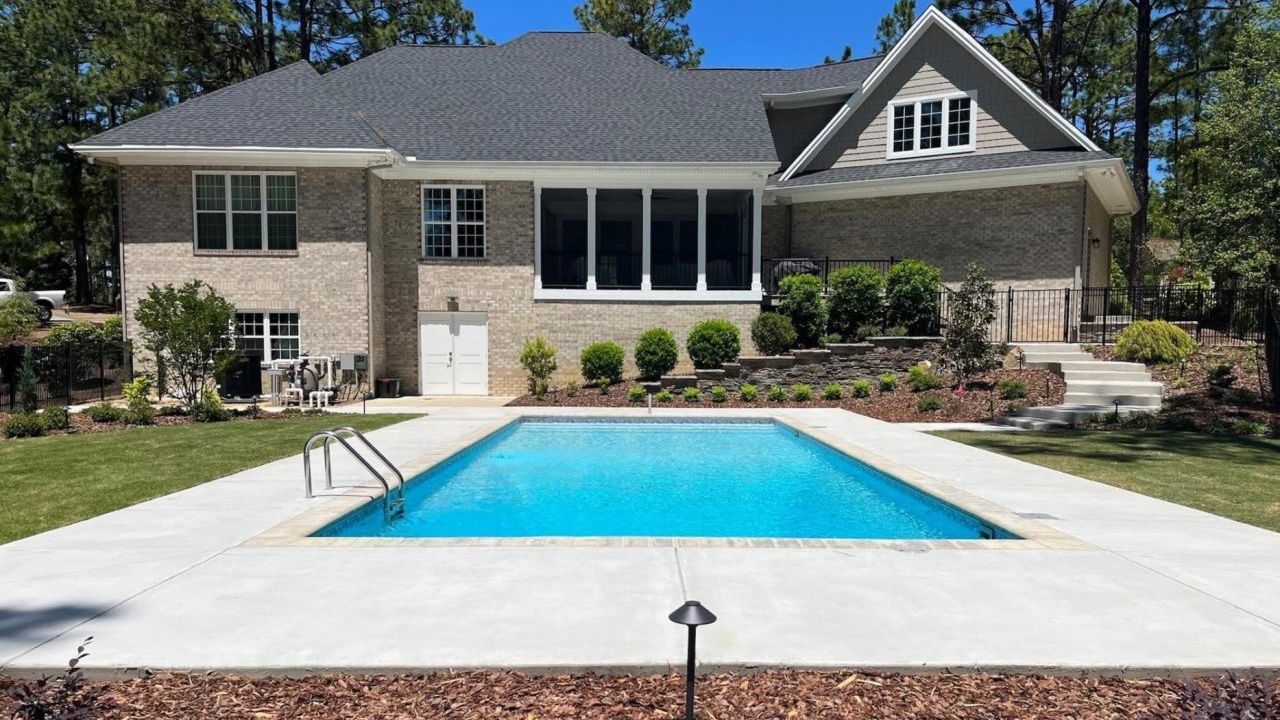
<point>855,302</point>
<point>1154,341</point>
<point>802,301</point>
<point>911,296</point>
<point>656,353</point>
<point>712,342</point>
<point>773,334</point>
<point>602,362</point>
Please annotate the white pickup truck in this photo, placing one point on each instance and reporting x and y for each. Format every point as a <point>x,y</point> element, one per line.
<point>46,300</point>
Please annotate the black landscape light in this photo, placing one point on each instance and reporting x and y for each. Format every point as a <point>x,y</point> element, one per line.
<point>1116,402</point>
<point>691,615</point>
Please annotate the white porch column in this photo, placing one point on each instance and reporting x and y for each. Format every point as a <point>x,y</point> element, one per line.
<point>537,238</point>
<point>702,240</point>
<point>757,198</point>
<point>646,252</point>
<point>591,238</point>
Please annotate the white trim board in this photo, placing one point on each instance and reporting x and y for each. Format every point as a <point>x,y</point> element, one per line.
<point>931,16</point>
<point>262,156</point>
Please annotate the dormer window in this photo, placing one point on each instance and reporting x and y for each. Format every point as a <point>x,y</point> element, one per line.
<point>932,125</point>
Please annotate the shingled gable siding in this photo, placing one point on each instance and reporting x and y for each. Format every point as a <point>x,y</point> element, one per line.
<point>938,65</point>
<point>1027,237</point>
<point>325,281</point>
<point>501,285</point>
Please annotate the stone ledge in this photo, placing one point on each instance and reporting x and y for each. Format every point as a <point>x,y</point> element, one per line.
<point>904,341</point>
<point>679,381</point>
<point>850,348</point>
<point>759,362</point>
<point>709,374</point>
<point>811,357</point>
<point>732,369</point>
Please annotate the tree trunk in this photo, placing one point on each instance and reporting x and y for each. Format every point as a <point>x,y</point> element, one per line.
<point>80,230</point>
<point>271,34</point>
<point>1141,138</point>
<point>1057,44</point>
<point>304,29</point>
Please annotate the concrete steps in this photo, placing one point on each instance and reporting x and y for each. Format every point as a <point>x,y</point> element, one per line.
<point>1093,387</point>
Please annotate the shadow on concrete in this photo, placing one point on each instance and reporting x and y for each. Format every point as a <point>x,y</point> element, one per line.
<point>37,624</point>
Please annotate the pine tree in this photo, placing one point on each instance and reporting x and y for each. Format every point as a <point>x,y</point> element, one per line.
<point>654,27</point>
<point>894,25</point>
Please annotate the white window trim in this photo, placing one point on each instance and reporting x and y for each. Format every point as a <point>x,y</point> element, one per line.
<point>454,222</point>
<point>268,355</point>
<point>945,149</point>
<point>646,293</point>
<point>262,210</point>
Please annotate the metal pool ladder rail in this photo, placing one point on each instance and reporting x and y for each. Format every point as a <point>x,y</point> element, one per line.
<point>392,498</point>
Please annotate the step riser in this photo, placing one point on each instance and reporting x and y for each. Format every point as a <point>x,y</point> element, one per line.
<point>1100,366</point>
<point>1115,389</point>
<point>1033,423</point>
<point>1152,402</point>
<point>1081,376</point>
<point>1036,359</point>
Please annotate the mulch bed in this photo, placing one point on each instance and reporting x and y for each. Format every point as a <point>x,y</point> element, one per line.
<point>1188,399</point>
<point>82,424</point>
<point>1043,388</point>
<point>781,695</point>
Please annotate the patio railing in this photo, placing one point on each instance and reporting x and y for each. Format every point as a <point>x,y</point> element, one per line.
<point>773,270</point>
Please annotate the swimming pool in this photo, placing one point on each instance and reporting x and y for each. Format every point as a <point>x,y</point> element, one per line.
<point>546,477</point>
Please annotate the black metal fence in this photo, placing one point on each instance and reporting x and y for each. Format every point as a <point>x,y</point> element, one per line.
<point>1213,316</point>
<point>66,375</point>
<point>773,270</point>
<point>1271,331</point>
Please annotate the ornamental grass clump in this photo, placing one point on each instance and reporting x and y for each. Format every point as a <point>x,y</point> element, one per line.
<point>692,395</point>
<point>777,393</point>
<point>748,393</point>
<point>921,378</point>
<point>719,394</point>
<point>664,396</point>
<point>636,394</point>
<point>860,388</point>
<point>833,391</point>
<point>1012,389</point>
<point>801,393</point>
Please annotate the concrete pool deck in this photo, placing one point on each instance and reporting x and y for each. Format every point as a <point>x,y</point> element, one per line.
<point>175,583</point>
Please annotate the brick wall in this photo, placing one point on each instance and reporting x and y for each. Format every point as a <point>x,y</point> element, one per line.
<point>325,280</point>
<point>1027,237</point>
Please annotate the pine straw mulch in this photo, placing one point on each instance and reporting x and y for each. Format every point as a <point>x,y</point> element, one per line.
<point>1188,399</point>
<point>777,694</point>
<point>975,405</point>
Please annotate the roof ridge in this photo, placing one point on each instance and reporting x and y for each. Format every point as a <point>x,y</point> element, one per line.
<point>782,69</point>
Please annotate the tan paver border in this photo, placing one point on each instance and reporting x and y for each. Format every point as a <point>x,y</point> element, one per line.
<point>1032,535</point>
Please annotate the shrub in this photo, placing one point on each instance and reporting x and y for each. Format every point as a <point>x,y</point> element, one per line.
<point>861,388</point>
<point>210,408</point>
<point>56,418</point>
<point>911,296</point>
<point>833,391</point>
<point>888,382</point>
<point>27,382</point>
<point>17,317</point>
<point>831,339</point>
<point>719,394</point>
<point>137,390</point>
<point>801,393</point>
<point>972,310</point>
<point>802,302</point>
<point>1180,383</point>
<point>177,411</point>
<point>636,394</point>
<point>538,358</point>
<point>1138,421</point>
<point>603,384</point>
<point>865,331</point>
<point>23,424</point>
<point>1274,430</point>
<point>773,334</point>
<point>1240,396</point>
<point>62,697</point>
<point>188,329</point>
<point>713,342</point>
<point>141,414</point>
<point>928,403</point>
<point>856,300</point>
<point>777,394</point>
<point>1249,427</point>
<point>602,361</point>
<point>571,388</point>
<point>104,413</point>
<point>663,396</point>
<point>921,378</point>
<point>656,353</point>
<point>894,331</point>
<point>691,394</point>
<point>1012,389</point>
<point>1220,377</point>
<point>1154,341</point>
<point>748,393</point>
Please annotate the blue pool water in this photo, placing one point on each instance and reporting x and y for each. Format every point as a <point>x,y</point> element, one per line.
<point>656,478</point>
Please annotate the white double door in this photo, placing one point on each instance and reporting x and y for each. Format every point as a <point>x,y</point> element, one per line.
<point>454,349</point>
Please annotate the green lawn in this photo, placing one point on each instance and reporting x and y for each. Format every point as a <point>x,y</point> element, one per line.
<point>1231,476</point>
<point>53,481</point>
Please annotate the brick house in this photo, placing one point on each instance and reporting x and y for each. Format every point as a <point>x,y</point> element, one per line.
<point>437,206</point>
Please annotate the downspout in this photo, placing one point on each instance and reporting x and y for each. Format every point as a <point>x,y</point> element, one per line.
<point>790,226</point>
<point>368,266</point>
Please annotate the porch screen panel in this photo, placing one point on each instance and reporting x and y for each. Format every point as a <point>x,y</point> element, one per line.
<point>729,220</point>
<point>673,231</point>
<point>564,238</point>
<point>619,238</point>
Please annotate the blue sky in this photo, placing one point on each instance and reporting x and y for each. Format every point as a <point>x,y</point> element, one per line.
<point>735,33</point>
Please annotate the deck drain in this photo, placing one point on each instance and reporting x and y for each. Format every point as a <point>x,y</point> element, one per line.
<point>1037,516</point>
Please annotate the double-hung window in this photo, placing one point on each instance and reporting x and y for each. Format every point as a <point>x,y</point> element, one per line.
<point>246,211</point>
<point>452,221</point>
<point>273,335</point>
<point>932,126</point>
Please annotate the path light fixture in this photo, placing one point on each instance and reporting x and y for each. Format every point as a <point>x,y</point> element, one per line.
<point>1116,402</point>
<point>691,615</point>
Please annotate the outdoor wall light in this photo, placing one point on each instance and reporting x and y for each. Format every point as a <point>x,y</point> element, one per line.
<point>1095,241</point>
<point>691,615</point>
<point>452,305</point>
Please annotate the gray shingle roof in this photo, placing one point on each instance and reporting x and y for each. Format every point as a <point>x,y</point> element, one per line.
<point>288,107</point>
<point>940,166</point>
<point>554,96</point>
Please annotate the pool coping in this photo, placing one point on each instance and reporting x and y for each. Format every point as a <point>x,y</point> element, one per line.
<point>1032,535</point>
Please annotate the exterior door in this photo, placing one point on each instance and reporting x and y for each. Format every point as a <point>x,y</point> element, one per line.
<point>454,351</point>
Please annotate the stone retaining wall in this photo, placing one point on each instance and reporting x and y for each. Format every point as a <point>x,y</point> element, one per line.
<point>840,363</point>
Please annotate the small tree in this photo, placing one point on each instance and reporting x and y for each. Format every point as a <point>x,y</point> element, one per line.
<point>188,329</point>
<point>27,380</point>
<point>538,358</point>
<point>17,317</point>
<point>964,341</point>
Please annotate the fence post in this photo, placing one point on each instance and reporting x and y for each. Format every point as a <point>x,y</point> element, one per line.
<point>1008,316</point>
<point>71,361</point>
<point>1200,316</point>
<point>1066,316</point>
<point>102,373</point>
<point>826,271</point>
<point>1106,310</point>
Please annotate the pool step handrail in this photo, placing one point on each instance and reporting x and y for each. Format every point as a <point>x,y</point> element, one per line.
<point>392,498</point>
